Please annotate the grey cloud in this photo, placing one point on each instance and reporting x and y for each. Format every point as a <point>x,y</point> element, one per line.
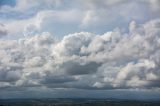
<point>10,73</point>
<point>57,79</point>
<point>74,68</point>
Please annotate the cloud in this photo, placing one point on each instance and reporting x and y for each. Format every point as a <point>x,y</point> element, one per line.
<point>114,60</point>
<point>74,68</point>
<point>10,74</point>
<point>35,17</point>
<point>24,5</point>
<point>90,46</point>
<point>51,21</point>
<point>57,79</point>
<point>154,4</point>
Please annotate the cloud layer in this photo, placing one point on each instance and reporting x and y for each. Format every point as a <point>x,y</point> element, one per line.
<point>114,60</point>
<point>34,17</point>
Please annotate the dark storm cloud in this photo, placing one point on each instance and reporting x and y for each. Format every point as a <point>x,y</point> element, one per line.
<point>50,79</point>
<point>74,68</point>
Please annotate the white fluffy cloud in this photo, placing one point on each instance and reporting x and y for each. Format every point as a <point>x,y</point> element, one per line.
<point>114,60</point>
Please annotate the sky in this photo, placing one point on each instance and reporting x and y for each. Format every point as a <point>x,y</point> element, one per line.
<point>80,48</point>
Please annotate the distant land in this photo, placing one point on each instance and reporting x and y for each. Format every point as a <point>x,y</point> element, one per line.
<point>77,102</point>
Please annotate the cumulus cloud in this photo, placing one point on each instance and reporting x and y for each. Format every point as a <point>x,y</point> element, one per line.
<point>114,60</point>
